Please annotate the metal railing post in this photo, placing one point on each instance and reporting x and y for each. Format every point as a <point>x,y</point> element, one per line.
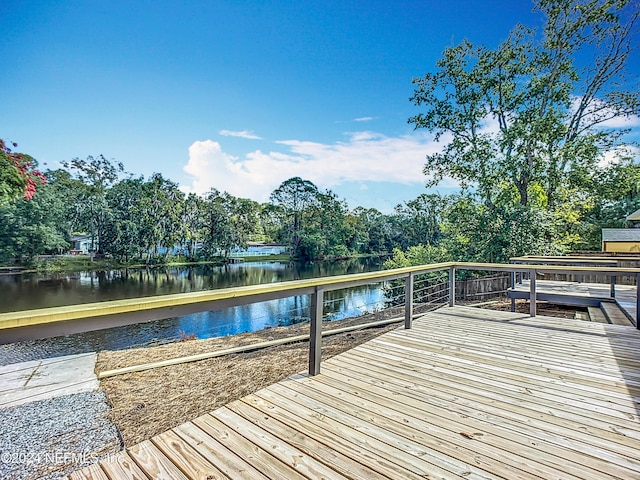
<point>315,331</point>
<point>512,281</point>
<point>613,286</point>
<point>452,286</point>
<point>408,301</point>
<point>638,301</point>
<point>532,292</point>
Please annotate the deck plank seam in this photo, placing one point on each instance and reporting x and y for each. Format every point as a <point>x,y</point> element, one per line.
<point>443,379</point>
<point>366,399</point>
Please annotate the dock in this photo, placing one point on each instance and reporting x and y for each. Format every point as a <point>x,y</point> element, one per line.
<point>464,393</point>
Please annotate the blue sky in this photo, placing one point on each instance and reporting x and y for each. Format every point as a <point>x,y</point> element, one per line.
<point>236,95</point>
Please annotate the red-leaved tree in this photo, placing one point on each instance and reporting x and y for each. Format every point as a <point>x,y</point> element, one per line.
<point>18,177</point>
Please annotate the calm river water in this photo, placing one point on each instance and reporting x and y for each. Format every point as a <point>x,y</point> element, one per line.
<point>29,291</point>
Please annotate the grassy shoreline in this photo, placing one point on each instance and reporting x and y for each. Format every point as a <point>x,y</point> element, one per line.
<point>81,263</point>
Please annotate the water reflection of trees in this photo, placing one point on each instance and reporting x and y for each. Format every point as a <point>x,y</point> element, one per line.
<point>353,301</point>
<point>27,291</point>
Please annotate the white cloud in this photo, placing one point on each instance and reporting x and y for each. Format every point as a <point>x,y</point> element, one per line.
<point>206,162</point>
<point>242,134</point>
<point>364,119</point>
<point>363,157</point>
<point>622,122</point>
<point>614,155</point>
<point>599,109</point>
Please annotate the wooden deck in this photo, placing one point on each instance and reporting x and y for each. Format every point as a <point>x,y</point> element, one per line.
<point>574,293</point>
<point>466,393</point>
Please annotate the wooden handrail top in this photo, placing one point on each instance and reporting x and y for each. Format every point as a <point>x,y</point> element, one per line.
<point>578,258</point>
<point>256,293</point>
<point>558,261</point>
<point>575,269</point>
<point>64,313</point>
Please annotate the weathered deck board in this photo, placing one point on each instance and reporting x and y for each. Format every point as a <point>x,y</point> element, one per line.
<point>305,443</point>
<point>614,314</point>
<point>153,462</point>
<point>92,472</point>
<point>257,457</point>
<point>376,455</point>
<point>469,424</point>
<point>185,457</point>
<point>597,315</point>
<point>466,393</point>
<point>122,467</point>
<point>224,459</point>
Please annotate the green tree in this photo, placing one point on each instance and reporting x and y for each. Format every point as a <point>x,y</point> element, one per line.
<point>218,236</point>
<point>416,255</point>
<point>95,176</point>
<point>419,220</point>
<point>192,221</point>
<point>327,232</point>
<point>312,222</point>
<point>550,116</point>
<point>66,189</point>
<point>357,233</point>
<point>244,219</point>
<point>122,234</point>
<point>29,228</point>
<point>294,198</point>
<point>230,222</point>
<point>380,228</point>
<point>271,222</point>
<point>474,232</point>
<point>617,196</point>
<point>162,207</point>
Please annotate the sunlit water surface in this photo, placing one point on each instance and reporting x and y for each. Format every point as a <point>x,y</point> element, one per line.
<point>29,291</point>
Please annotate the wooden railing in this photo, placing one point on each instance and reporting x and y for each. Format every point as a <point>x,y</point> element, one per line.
<point>50,322</point>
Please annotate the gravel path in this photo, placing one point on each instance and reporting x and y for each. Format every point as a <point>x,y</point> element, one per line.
<point>51,438</point>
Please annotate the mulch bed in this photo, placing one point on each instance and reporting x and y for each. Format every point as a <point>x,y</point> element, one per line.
<point>147,403</point>
<point>542,308</point>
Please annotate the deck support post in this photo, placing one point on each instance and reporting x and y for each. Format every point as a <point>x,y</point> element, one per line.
<point>638,301</point>
<point>408,301</point>
<point>512,282</point>
<point>315,331</point>
<point>613,286</point>
<point>532,292</point>
<point>452,286</point>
